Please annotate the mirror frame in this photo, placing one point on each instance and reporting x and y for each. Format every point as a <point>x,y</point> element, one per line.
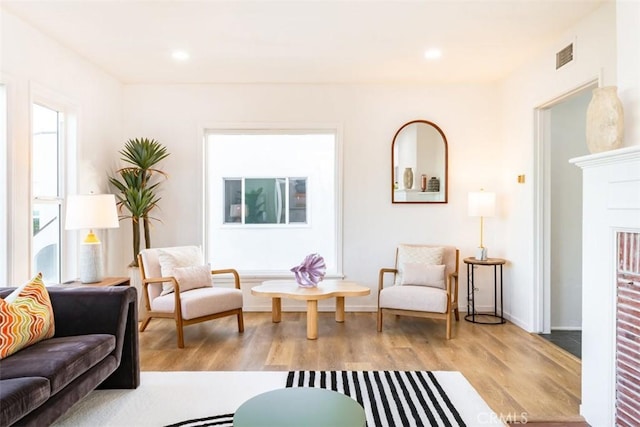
<point>446,163</point>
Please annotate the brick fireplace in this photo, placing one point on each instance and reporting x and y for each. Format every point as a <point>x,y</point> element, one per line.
<point>610,305</point>
<point>628,330</point>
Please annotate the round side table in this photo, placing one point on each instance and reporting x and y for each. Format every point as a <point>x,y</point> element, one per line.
<point>494,318</point>
<point>300,406</point>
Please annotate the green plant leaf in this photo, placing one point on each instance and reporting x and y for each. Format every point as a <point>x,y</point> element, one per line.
<point>143,153</point>
<point>136,184</point>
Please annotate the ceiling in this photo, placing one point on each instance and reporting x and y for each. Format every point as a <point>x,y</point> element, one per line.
<point>300,41</point>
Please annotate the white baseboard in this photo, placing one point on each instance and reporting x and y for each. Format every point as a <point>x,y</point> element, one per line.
<point>518,322</point>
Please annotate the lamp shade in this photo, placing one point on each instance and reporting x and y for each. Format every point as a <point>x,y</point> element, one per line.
<point>91,211</point>
<point>482,203</point>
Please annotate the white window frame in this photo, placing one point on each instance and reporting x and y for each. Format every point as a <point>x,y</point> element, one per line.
<point>5,260</point>
<point>67,165</point>
<point>284,128</point>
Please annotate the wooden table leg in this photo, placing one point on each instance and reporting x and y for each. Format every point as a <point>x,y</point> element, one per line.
<point>312,319</point>
<point>340,309</point>
<point>276,310</point>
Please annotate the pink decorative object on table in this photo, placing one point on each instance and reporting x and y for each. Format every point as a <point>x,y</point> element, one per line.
<point>310,272</point>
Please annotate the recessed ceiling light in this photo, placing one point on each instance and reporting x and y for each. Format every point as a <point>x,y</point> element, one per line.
<point>179,55</point>
<point>432,53</point>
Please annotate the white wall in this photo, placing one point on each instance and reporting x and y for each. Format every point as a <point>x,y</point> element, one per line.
<point>34,64</point>
<point>369,115</point>
<point>628,38</point>
<point>532,86</point>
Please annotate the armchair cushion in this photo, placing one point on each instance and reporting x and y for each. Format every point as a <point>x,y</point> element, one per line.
<point>200,302</point>
<point>194,277</point>
<point>416,298</point>
<point>423,275</point>
<point>172,258</point>
<point>427,255</point>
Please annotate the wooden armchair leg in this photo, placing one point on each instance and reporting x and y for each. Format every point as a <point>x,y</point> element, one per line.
<point>457,313</point>
<point>144,323</point>
<point>240,322</point>
<point>180,333</point>
<point>379,320</point>
<point>449,326</point>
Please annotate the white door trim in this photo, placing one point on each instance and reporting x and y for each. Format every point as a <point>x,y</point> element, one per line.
<point>541,208</point>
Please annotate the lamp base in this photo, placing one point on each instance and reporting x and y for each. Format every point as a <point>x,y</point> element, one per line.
<point>90,268</point>
<point>481,253</point>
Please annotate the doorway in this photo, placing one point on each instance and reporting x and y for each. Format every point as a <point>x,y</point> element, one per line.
<point>561,126</point>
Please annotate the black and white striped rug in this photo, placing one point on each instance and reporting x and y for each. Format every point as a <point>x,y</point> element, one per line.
<point>389,398</point>
<point>225,420</point>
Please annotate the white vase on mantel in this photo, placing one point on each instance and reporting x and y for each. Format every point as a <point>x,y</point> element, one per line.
<point>605,120</point>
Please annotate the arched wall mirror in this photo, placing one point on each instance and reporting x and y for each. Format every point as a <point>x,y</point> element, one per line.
<point>419,172</point>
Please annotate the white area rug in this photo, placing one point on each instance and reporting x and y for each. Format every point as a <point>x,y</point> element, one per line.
<point>165,398</point>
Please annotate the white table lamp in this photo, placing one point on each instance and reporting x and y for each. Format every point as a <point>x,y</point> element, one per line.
<point>91,211</point>
<point>483,204</point>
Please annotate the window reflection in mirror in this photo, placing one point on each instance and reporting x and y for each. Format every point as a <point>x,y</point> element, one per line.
<point>419,164</point>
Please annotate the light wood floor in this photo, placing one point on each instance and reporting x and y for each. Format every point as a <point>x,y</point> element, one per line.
<point>514,371</point>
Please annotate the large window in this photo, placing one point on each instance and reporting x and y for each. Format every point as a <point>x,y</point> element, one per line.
<point>46,183</point>
<point>272,197</point>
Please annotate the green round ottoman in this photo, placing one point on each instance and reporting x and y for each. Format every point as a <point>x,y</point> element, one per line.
<point>300,406</point>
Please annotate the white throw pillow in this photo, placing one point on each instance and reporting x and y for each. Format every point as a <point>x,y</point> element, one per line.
<point>427,255</point>
<point>423,275</point>
<point>171,258</point>
<point>194,277</point>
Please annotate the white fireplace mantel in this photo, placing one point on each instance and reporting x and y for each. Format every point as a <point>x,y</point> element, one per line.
<point>611,203</point>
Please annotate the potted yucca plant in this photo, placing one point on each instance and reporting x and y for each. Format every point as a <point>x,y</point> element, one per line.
<point>136,184</point>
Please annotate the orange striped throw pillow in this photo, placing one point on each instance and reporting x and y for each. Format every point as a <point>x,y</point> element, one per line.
<point>26,317</point>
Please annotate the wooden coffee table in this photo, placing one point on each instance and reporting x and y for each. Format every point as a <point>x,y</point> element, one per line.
<point>278,289</point>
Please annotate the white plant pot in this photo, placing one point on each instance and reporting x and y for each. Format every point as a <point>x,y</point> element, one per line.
<point>136,281</point>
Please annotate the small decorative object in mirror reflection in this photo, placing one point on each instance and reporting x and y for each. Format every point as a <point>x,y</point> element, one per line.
<point>407,178</point>
<point>423,182</point>
<point>311,271</point>
<point>434,184</point>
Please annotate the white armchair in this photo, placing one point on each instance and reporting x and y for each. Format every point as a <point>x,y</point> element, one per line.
<point>176,284</point>
<point>425,284</point>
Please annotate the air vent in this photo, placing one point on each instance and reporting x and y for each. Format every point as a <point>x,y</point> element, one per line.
<point>564,56</point>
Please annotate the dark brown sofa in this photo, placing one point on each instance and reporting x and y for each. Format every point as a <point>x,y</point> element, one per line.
<point>95,345</point>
